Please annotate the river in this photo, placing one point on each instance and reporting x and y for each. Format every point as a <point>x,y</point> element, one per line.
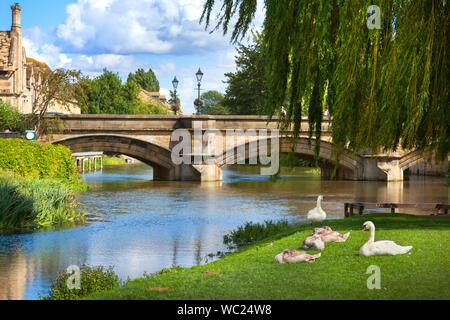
<point>137,225</point>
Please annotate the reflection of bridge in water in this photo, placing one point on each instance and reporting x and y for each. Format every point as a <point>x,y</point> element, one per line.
<point>148,139</point>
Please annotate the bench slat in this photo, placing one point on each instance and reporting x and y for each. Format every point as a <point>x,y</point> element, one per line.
<point>362,205</point>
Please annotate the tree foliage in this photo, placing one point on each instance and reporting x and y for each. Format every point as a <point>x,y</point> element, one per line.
<point>246,92</point>
<point>10,118</point>
<point>213,104</point>
<point>382,86</point>
<point>106,94</point>
<point>53,87</point>
<point>146,80</point>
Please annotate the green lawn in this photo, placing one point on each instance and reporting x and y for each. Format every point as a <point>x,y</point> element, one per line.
<point>339,274</point>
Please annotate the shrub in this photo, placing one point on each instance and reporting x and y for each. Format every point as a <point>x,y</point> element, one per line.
<point>30,160</point>
<point>254,232</point>
<point>93,279</point>
<point>11,119</point>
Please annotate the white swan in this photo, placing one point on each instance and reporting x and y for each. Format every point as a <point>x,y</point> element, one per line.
<point>317,214</point>
<point>380,248</point>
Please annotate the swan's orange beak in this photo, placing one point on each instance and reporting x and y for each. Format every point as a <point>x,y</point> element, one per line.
<point>364,229</point>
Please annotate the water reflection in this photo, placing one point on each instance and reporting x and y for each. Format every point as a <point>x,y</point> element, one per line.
<point>138,225</point>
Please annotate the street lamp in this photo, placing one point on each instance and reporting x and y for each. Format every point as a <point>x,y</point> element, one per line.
<point>175,83</point>
<point>199,76</point>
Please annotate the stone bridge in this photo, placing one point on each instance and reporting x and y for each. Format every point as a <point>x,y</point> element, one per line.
<point>149,139</point>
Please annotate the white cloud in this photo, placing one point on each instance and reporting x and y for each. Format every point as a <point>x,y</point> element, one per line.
<point>130,27</point>
<point>112,34</point>
<point>121,64</point>
<point>37,46</point>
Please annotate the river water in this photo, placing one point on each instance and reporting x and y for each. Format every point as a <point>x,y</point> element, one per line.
<point>138,225</point>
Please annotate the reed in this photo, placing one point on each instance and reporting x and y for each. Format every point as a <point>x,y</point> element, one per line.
<point>36,202</point>
<point>254,232</point>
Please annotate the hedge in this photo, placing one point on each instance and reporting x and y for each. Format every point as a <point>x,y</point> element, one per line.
<point>30,160</point>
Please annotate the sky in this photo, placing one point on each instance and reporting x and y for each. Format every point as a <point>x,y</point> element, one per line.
<point>125,35</point>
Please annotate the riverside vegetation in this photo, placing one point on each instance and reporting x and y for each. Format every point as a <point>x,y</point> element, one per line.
<point>92,279</point>
<point>38,185</point>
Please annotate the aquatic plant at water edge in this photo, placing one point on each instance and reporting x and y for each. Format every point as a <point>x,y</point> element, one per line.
<point>253,232</point>
<point>33,202</point>
<point>15,208</point>
<point>92,279</point>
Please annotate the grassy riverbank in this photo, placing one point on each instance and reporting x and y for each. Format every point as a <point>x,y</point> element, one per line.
<point>339,274</point>
<point>113,161</point>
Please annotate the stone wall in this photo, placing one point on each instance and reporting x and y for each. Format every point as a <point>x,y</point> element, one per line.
<point>10,135</point>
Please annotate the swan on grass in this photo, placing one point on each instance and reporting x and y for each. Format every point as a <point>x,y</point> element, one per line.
<point>317,214</point>
<point>321,236</point>
<point>380,248</point>
<point>293,256</point>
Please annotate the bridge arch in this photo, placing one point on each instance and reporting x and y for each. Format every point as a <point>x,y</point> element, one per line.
<point>159,158</point>
<point>411,159</point>
<point>349,165</point>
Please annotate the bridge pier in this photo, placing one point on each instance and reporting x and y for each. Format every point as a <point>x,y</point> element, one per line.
<point>392,169</point>
<point>187,172</point>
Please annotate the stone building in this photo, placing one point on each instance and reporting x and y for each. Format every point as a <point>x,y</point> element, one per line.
<point>17,71</point>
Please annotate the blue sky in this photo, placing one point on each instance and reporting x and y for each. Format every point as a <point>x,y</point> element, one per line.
<point>124,35</point>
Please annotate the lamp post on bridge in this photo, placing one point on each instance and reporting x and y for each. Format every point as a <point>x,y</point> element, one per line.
<point>176,107</point>
<point>198,103</point>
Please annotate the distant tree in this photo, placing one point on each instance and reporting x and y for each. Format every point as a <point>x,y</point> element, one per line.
<point>212,104</point>
<point>106,94</point>
<point>59,86</point>
<point>172,101</point>
<point>172,97</point>
<point>246,91</point>
<point>146,80</point>
<point>10,118</point>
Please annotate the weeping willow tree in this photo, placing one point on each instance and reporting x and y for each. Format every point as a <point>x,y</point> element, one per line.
<point>383,87</point>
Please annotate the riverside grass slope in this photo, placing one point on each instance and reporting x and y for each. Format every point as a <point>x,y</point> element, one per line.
<point>339,274</point>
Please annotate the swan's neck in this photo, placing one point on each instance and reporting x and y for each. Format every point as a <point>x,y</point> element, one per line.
<point>372,234</point>
<point>319,203</point>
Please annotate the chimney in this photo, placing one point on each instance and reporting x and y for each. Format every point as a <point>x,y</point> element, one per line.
<point>15,17</point>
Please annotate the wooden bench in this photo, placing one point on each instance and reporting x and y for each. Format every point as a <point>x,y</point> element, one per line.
<point>349,207</point>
